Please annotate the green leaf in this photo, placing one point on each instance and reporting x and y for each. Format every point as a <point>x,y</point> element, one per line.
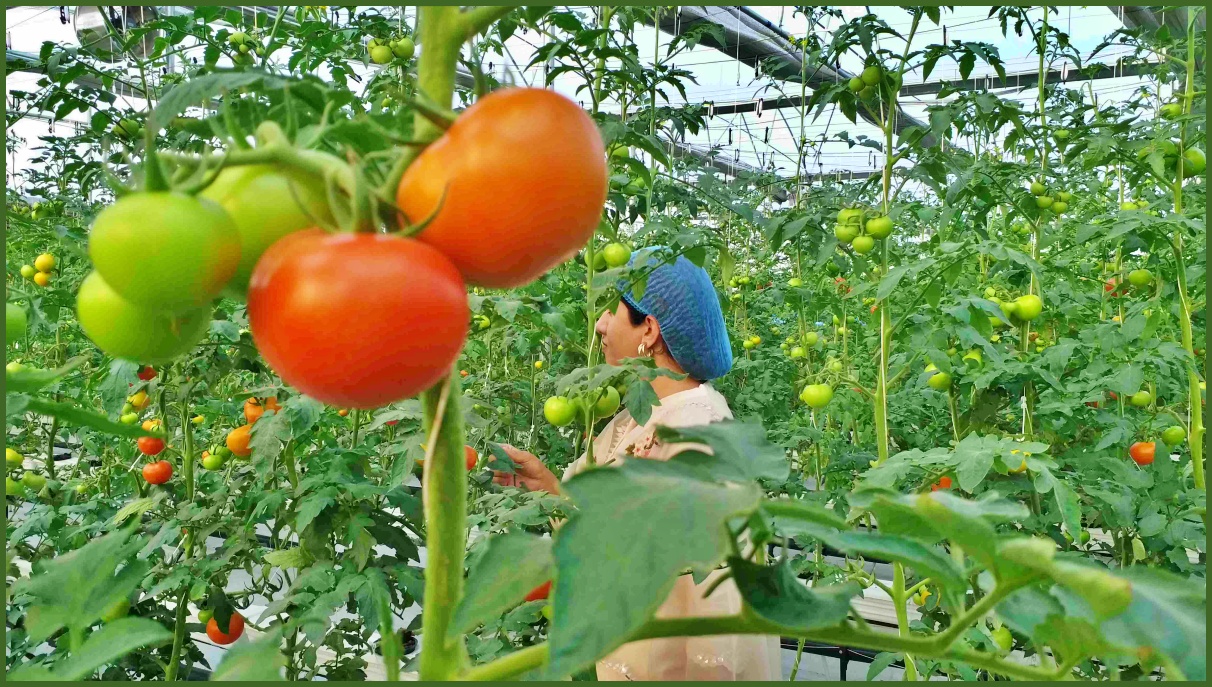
<point>30,380</point>
<point>289,558</point>
<point>74,415</point>
<point>511,566</point>
<point>660,513</point>
<point>114,640</point>
<point>776,594</point>
<point>1168,613</point>
<point>261,660</point>
<point>1069,505</point>
<point>76,588</point>
<point>136,507</point>
<point>639,400</point>
<point>739,451</point>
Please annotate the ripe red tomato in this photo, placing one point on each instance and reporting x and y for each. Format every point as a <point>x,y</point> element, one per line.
<point>1142,452</point>
<point>543,158</point>
<point>235,628</point>
<point>470,457</point>
<point>265,204</point>
<point>150,446</point>
<point>540,592</point>
<point>147,373</point>
<point>357,320</point>
<point>943,482</point>
<point>158,472</point>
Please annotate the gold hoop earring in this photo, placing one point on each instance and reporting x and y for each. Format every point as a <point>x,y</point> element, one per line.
<point>643,350</point>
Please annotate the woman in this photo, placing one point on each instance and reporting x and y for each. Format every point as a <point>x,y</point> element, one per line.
<point>678,323</point>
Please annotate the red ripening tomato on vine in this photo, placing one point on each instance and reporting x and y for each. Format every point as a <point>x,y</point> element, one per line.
<point>357,338</point>
<point>1142,452</point>
<point>235,628</point>
<point>543,159</point>
<point>158,472</point>
<point>540,592</point>
<point>150,446</point>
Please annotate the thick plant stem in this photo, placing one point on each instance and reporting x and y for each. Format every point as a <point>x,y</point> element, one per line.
<point>444,480</point>
<point>1195,437</point>
<point>444,489</point>
<point>174,659</point>
<point>50,448</point>
<point>900,600</point>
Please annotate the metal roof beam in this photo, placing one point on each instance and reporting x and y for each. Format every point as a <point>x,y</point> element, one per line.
<point>752,40</point>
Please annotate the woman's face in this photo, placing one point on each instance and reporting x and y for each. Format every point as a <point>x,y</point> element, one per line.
<point>620,338</point>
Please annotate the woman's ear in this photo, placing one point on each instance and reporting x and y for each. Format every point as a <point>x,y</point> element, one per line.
<point>651,334</point>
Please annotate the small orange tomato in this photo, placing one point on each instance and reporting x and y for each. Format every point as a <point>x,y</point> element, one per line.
<point>463,373</point>
<point>470,457</point>
<point>1142,452</point>
<point>235,628</point>
<point>271,403</point>
<point>253,410</point>
<point>237,441</point>
<point>343,412</point>
<point>943,482</point>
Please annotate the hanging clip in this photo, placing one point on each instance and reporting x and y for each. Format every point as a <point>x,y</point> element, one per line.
<point>63,14</point>
<point>729,135</point>
<point>711,110</point>
<point>766,140</point>
<point>758,108</point>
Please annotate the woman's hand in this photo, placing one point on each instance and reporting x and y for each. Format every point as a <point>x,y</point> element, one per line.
<point>529,472</point>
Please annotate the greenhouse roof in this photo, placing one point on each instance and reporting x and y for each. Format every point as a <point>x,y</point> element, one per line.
<point>754,119</point>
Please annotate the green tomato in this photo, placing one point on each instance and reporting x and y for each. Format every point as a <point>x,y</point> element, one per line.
<point>124,330</point>
<point>12,487</point>
<point>872,75</point>
<point>811,338</point>
<point>559,411</point>
<point>1128,205</point>
<point>129,418</point>
<point>1140,278</point>
<point>165,251</point>
<point>15,322</point>
<point>28,271</point>
<point>850,216</point>
<point>1171,110</point>
<point>616,255</point>
<point>846,233</point>
<point>1194,162</point>
<point>879,227</point>
<point>128,128</point>
<point>212,462</point>
<point>856,84</point>
<point>404,48</point>
<point>798,352</point>
<point>795,282</point>
<point>33,480</point>
<point>1061,134</point>
<point>1064,196</point>
<point>1141,398</point>
<point>1174,435</point>
<point>834,366</point>
<point>381,54</point>
<point>863,244</point>
<point>266,204</point>
<point>1059,206</point>
<point>608,403</point>
<point>1028,307</point>
<point>12,459</point>
<point>1043,202</point>
<point>939,381</point>
<point>1003,639</point>
<point>1038,189</point>
<point>205,614</point>
<point>817,396</point>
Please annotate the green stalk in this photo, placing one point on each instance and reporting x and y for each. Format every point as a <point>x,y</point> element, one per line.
<point>50,448</point>
<point>1195,438</point>
<point>900,599</point>
<point>444,486</point>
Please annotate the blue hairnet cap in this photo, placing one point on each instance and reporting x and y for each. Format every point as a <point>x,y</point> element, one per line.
<point>683,300</point>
